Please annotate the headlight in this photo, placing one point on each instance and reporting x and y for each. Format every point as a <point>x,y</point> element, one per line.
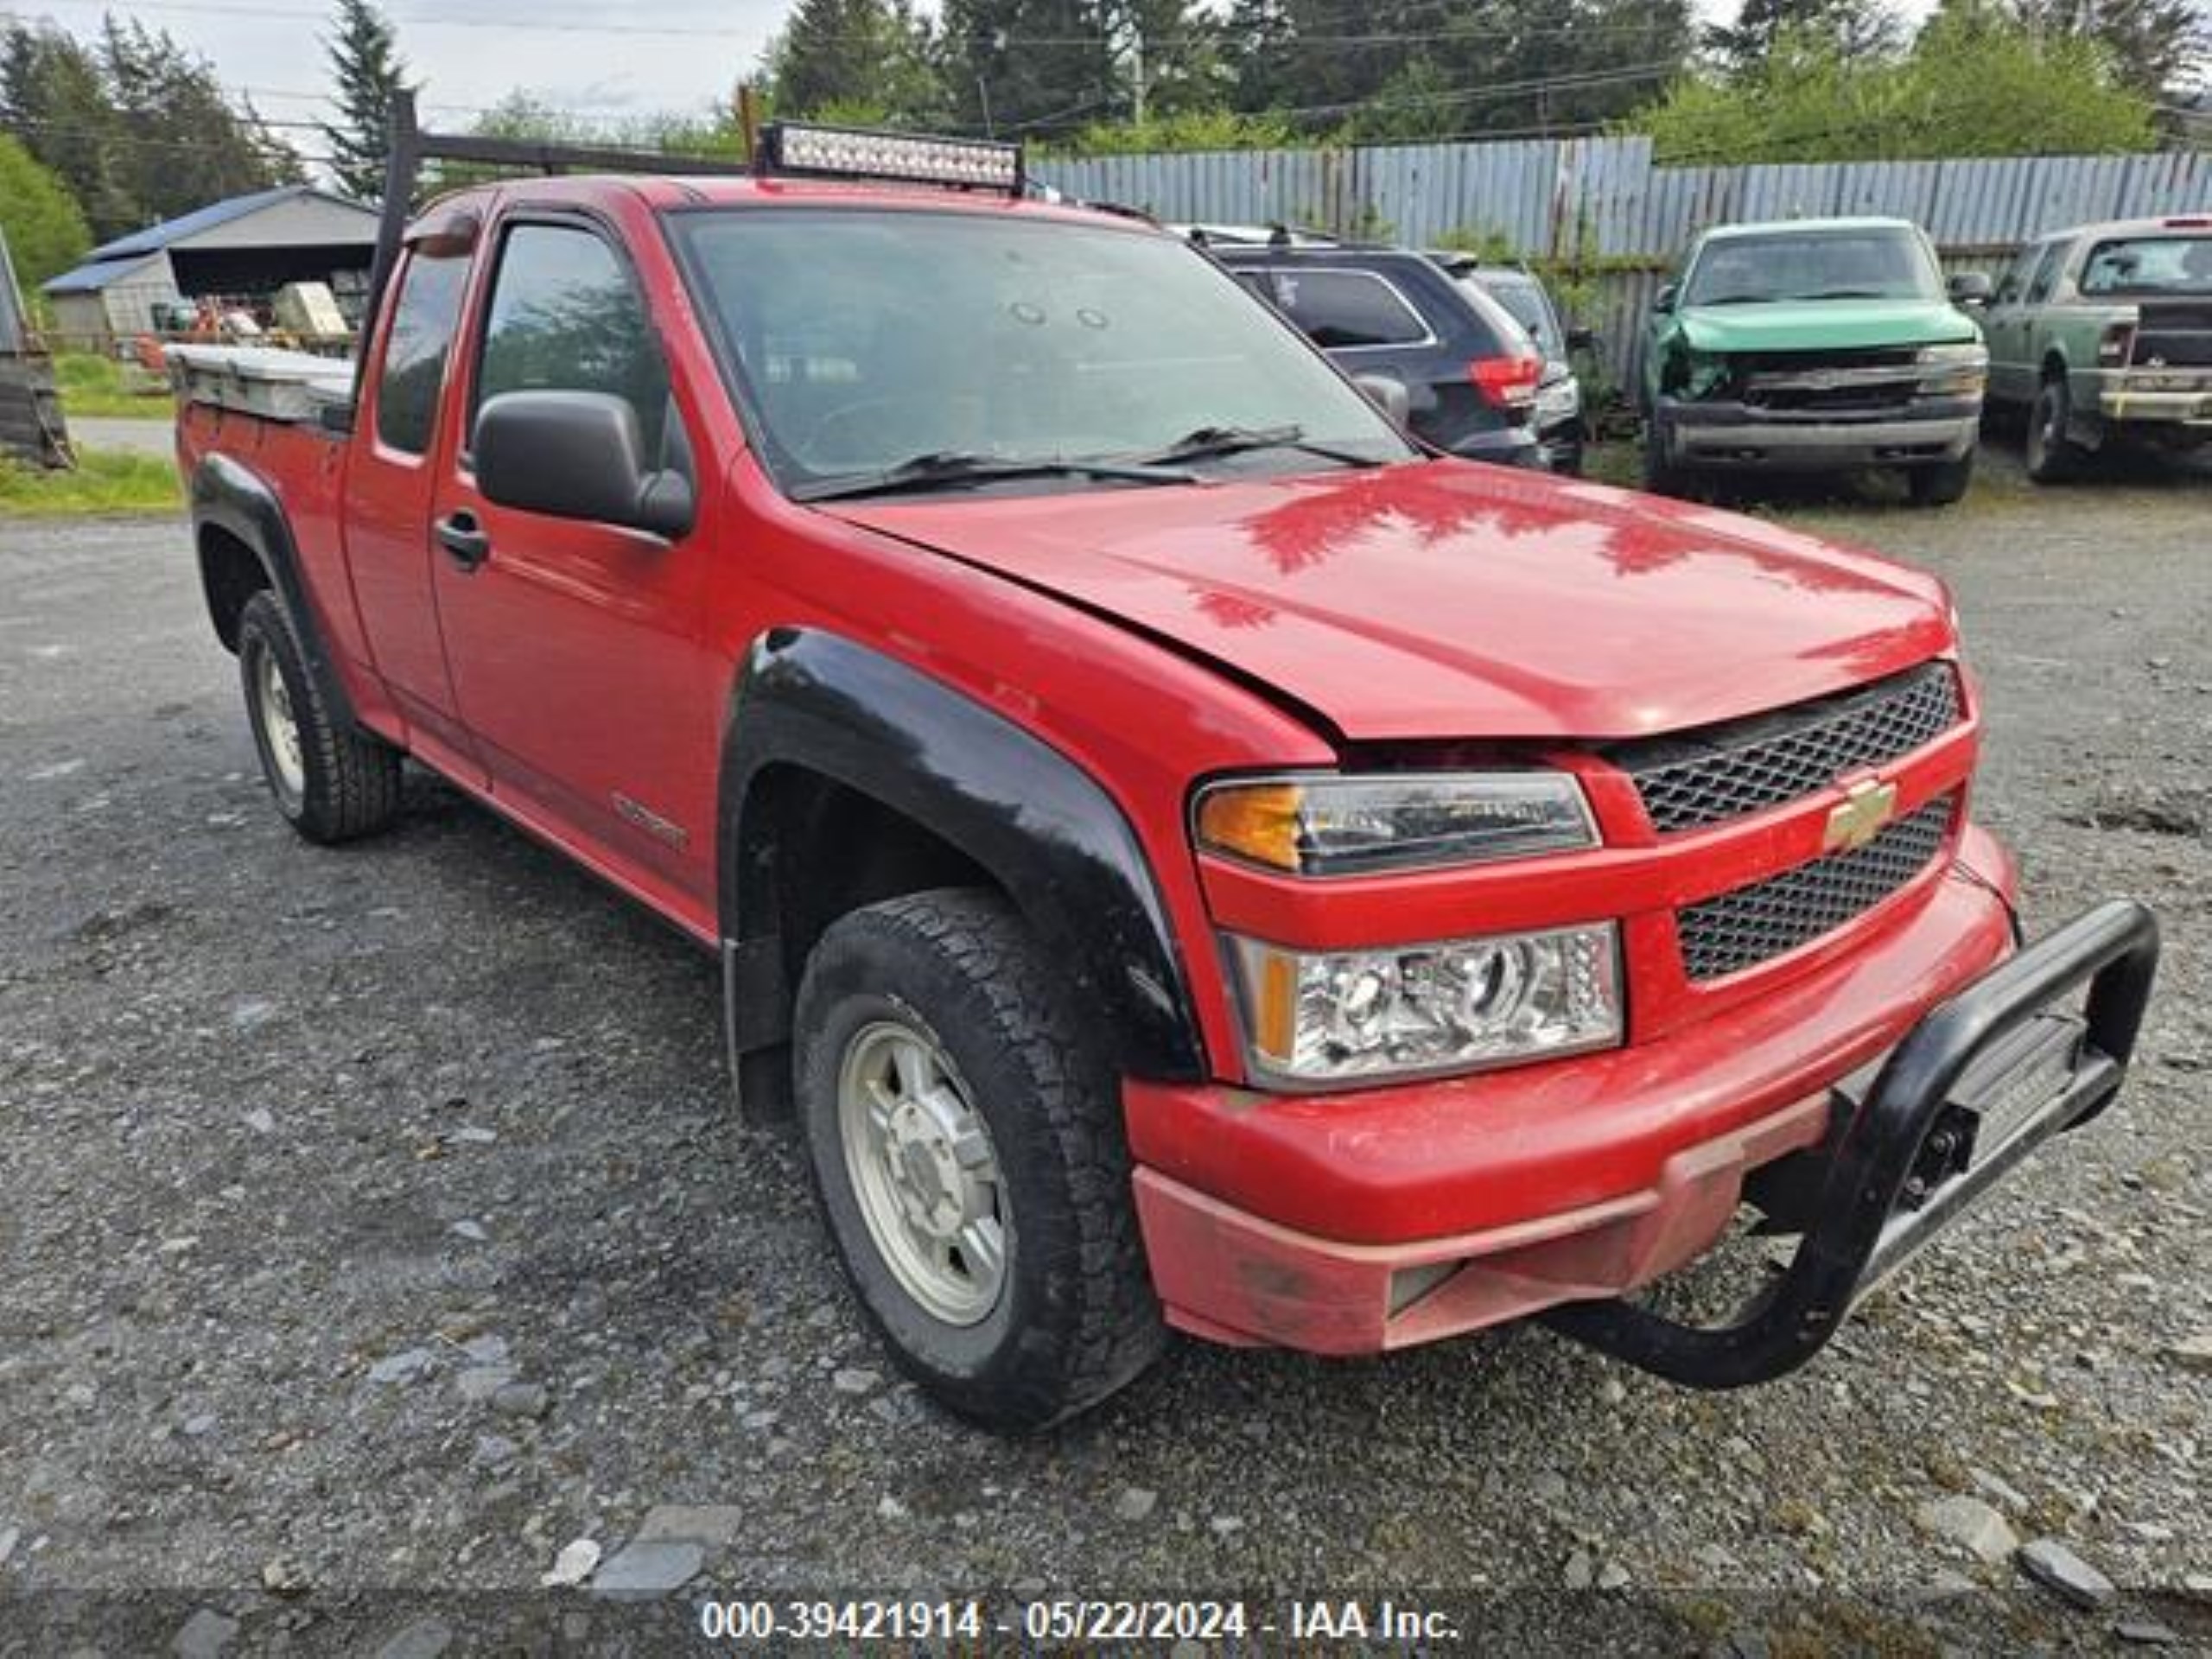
<point>1956,370</point>
<point>1354,826</point>
<point>1318,1019</point>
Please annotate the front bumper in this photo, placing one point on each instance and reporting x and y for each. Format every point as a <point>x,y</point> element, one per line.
<point>1616,1168</point>
<point>1739,436</point>
<point>1977,1087</point>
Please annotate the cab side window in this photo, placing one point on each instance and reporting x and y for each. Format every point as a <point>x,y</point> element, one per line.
<point>2046,276</point>
<point>564,317</point>
<point>1344,309</point>
<point>414,374</point>
<point>2015,280</point>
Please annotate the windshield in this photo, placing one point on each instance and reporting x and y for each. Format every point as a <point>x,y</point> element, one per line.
<point>1876,262</point>
<point>1524,302</point>
<point>2150,265</point>
<point>862,339</point>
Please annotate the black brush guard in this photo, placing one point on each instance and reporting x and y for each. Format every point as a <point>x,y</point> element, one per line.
<point>1974,1090</point>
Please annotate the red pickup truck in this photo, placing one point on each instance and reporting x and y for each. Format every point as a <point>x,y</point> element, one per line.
<point>1186,855</point>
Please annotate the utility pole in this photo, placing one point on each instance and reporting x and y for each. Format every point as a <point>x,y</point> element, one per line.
<point>1136,74</point>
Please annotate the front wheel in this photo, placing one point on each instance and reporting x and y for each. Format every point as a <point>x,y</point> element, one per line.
<point>966,1152</point>
<point>1940,485</point>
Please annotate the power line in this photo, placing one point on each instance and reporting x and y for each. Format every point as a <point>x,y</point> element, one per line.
<point>676,31</point>
<point>1587,80</point>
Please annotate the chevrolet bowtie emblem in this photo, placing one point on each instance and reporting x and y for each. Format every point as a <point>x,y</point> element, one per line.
<point>1867,807</point>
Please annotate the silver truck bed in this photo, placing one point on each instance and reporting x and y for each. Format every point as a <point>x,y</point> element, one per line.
<point>277,386</point>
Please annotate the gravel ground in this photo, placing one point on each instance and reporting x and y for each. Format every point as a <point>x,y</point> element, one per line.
<point>375,1218</point>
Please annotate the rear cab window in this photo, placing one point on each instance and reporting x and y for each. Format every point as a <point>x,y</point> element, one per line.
<point>423,320</point>
<point>1524,302</point>
<point>2148,266</point>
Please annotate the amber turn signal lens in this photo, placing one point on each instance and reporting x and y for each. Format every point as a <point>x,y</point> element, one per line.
<point>1254,821</point>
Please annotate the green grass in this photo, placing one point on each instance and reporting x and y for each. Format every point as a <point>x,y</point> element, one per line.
<point>100,385</point>
<point>104,481</point>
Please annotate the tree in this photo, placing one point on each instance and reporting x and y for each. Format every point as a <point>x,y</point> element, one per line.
<point>1970,86</point>
<point>1192,130</point>
<point>45,229</point>
<point>53,99</point>
<point>2157,46</point>
<point>521,116</point>
<point>183,145</point>
<point>1854,27</point>
<point>860,57</point>
<point>137,128</point>
<point>365,64</point>
<point>1030,68</point>
<point>1428,69</point>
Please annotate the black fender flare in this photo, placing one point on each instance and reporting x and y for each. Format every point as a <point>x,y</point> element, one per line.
<point>1018,809</point>
<point>229,496</point>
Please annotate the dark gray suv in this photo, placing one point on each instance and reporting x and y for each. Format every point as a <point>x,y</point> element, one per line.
<point>1471,372</point>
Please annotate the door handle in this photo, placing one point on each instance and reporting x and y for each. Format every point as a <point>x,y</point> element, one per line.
<point>464,540</point>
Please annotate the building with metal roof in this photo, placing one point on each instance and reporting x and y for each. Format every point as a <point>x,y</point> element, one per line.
<point>240,251</point>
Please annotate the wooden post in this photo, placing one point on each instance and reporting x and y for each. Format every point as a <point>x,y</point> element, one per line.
<point>749,120</point>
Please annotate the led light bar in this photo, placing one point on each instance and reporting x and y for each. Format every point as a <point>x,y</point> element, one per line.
<point>795,148</point>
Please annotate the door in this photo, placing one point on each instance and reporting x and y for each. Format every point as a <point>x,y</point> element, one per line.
<point>391,476</point>
<point>576,649</point>
<point>2010,327</point>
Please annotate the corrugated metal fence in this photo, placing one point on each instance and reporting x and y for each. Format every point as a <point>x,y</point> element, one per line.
<point>1600,207</point>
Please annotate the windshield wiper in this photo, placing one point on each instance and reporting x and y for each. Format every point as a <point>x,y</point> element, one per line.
<point>1205,441</point>
<point>1736,299</point>
<point>951,468</point>
<point>1844,294</point>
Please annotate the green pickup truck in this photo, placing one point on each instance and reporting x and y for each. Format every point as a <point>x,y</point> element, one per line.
<point>1815,344</point>
<point>2104,332</point>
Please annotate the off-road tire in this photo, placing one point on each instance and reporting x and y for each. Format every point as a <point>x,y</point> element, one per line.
<point>349,786</point>
<point>2051,457</point>
<point>1076,1317</point>
<point>1943,484</point>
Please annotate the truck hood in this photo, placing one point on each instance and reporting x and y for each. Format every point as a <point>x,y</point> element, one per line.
<point>1453,598</point>
<point>1824,325</point>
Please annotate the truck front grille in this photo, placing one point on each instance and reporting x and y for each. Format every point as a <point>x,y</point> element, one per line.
<point>1754,923</point>
<point>1708,776</point>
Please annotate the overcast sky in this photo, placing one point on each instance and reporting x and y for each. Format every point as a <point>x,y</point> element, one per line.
<point>607,60</point>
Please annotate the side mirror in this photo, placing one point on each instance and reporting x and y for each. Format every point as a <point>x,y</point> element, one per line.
<point>1664,299</point>
<point>577,455</point>
<point>1969,288</point>
<point>1388,395</point>
<point>1581,339</point>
